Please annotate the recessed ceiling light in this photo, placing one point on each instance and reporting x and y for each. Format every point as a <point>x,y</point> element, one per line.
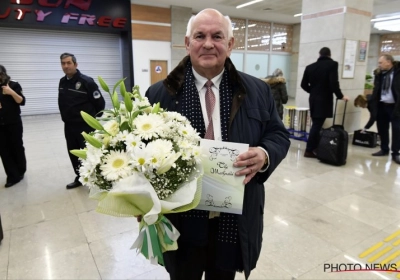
<point>248,4</point>
<point>298,15</point>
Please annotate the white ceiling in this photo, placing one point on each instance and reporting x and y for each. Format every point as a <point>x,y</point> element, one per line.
<point>280,11</point>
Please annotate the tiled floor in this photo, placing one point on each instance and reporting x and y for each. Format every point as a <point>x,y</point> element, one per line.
<point>315,214</point>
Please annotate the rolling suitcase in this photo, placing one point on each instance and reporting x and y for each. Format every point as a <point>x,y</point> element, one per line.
<point>333,143</point>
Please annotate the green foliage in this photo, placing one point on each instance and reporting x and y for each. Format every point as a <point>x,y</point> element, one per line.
<point>368,82</point>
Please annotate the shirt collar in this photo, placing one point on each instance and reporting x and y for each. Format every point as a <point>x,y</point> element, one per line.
<point>200,81</point>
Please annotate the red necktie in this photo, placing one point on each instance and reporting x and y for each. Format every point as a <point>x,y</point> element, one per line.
<point>210,104</point>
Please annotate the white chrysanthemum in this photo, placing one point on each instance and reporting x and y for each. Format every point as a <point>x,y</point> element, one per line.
<point>120,137</point>
<point>159,149</point>
<point>112,127</point>
<point>169,116</point>
<point>188,132</point>
<point>132,141</point>
<point>141,158</point>
<point>147,126</point>
<point>116,166</point>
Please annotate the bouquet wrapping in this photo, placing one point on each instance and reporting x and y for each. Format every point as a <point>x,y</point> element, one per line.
<point>142,161</point>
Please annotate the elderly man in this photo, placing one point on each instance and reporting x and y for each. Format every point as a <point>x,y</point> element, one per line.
<point>244,112</point>
<point>386,100</point>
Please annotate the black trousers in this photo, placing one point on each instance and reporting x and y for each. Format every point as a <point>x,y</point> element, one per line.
<point>12,151</point>
<point>1,231</point>
<point>384,119</point>
<point>75,141</point>
<point>191,261</point>
<point>313,137</point>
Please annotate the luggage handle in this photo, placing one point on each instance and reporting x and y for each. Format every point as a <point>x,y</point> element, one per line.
<point>344,113</point>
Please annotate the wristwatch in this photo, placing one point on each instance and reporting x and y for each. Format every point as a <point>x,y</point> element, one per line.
<point>266,160</point>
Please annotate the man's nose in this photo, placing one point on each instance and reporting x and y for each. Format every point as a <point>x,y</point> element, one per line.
<point>208,42</point>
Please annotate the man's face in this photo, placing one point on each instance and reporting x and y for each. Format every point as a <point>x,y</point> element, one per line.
<point>68,66</point>
<point>208,44</point>
<point>384,64</point>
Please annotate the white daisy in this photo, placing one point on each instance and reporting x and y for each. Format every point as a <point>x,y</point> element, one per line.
<point>132,141</point>
<point>141,159</point>
<point>146,126</point>
<point>116,166</point>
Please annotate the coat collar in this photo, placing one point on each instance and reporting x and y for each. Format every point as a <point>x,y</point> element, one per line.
<point>175,79</point>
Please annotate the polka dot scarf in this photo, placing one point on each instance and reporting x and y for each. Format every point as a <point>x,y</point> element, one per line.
<point>228,255</point>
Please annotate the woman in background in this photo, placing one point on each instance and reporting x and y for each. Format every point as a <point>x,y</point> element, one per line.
<point>12,149</point>
<point>277,84</point>
<point>363,101</point>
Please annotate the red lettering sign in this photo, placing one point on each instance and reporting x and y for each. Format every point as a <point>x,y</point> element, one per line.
<point>40,15</point>
<point>6,14</point>
<point>81,4</point>
<point>68,16</point>
<point>21,13</point>
<point>119,22</point>
<point>104,21</point>
<point>45,3</point>
<point>87,18</point>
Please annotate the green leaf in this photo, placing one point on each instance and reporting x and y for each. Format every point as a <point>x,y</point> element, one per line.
<point>122,89</point>
<point>117,84</point>
<point>92,141</point>
<point>156,108</point>
<point>115,100</point>
<point>79,153</point>
<point>125,126</point>
<point>103,84</point>
<point>92,122</point>
<point>128,102</point>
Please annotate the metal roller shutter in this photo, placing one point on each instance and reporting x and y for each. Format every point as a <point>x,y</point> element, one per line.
<point>32,57</point>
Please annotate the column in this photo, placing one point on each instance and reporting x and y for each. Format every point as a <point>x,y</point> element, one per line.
<point>330,24</point>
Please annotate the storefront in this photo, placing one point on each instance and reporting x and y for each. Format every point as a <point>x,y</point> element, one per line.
<point>33,34</point>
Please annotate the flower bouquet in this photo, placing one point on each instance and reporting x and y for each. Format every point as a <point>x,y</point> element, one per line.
<point>142,161</point>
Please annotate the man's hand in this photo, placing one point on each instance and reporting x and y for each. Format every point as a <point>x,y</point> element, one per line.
<point>7,90</point>
<point>345,98</point>
<point>252,161</point>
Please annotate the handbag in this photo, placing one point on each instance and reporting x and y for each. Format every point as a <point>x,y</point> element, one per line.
<point>367,139</point>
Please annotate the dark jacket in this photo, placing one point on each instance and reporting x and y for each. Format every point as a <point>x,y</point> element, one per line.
<point>80,93</point>
<point>10,111</point>
<point>376,94</point>
<point>321,80</point>
<point>254,120</point>
<point>279,92</point>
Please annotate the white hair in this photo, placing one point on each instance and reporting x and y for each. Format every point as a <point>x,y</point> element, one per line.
<point>228,21</point>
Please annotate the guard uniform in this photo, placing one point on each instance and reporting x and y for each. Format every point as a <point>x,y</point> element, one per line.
<point>79,93</point>
<point>12,149</point>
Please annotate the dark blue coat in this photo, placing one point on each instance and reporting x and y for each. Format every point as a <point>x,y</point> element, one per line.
<point>254,120</point>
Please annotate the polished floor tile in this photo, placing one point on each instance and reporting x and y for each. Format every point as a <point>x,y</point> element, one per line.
<point>315,214</point>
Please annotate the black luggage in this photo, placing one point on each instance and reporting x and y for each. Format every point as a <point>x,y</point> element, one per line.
<point>332,147</point>
<point>1,231</point>
<point>365,139</point>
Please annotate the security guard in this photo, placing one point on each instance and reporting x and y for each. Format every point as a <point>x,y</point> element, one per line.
<point>12,149</point>
<point>77,92</point>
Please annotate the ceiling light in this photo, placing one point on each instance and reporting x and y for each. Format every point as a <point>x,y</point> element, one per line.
<point>248,4</point>
<point>390,25</point>
<point>385,18</point>
<point>298,15</point>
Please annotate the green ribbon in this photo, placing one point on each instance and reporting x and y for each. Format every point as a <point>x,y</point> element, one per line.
<point>155,239</point>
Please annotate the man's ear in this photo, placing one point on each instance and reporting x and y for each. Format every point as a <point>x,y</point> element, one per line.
<point>187,44</point>
<point>231,43</point>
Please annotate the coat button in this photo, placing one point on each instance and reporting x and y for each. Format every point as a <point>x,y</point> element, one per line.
<point>240,96</point>
<point>176,102</point>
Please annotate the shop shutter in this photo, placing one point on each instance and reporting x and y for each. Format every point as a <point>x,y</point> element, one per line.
<point>32,57</point>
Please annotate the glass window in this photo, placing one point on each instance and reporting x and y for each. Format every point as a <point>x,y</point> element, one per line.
<point>237,60</point>
<point>239,32</point>
<point>257,65</point>
<point>282,36</point>
<point>258,35</point>
<point>390,44</point>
